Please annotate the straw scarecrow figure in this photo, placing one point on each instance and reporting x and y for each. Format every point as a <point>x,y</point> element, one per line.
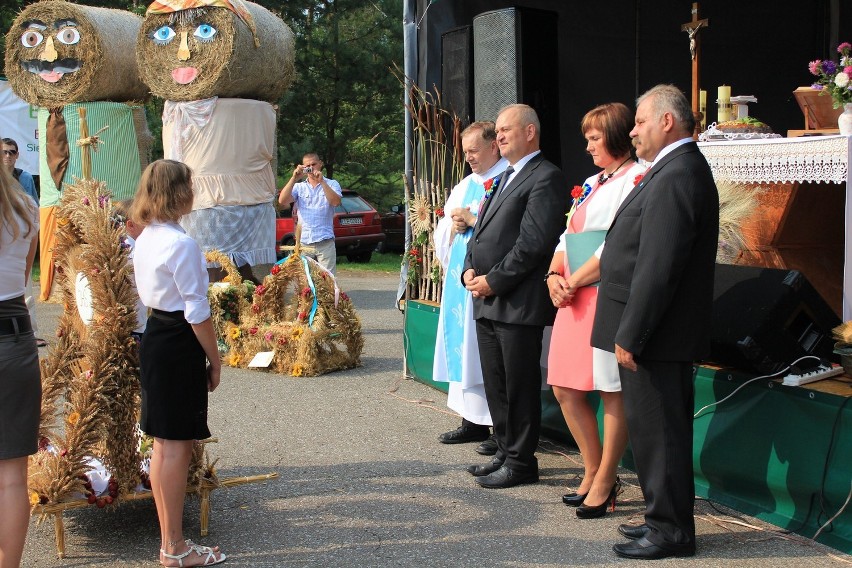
<point>62,56</point>
<point>219,64</point>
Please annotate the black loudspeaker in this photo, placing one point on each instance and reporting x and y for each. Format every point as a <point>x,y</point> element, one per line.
<point>515,60</point>
<point>457,72</point>
<point>766,318</point>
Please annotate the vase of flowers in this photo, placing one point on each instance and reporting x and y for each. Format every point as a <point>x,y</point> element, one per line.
<point>836,80</point>
<point>844,121</point>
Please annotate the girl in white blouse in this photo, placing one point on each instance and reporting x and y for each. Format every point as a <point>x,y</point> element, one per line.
<point>20,378</point>
<point>178,357</point>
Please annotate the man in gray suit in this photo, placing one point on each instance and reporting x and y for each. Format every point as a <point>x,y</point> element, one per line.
<point>507,259</point>
<point>654,309</point>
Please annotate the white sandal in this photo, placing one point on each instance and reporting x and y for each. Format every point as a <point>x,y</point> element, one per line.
<point>210,559</point>
<point>202,547</point>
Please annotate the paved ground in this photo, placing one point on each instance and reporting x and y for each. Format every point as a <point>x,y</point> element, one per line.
<point>364,482</point>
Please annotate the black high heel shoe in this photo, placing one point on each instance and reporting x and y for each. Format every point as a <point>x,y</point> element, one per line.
<point>574,499</point>
<point>592,512</point>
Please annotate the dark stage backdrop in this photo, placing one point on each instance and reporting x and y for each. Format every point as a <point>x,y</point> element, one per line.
<point>613,50</point>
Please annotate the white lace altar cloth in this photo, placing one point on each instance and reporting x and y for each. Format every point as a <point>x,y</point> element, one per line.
<point>780,160</point>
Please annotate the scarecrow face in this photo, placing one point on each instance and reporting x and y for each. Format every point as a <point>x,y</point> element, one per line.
<point>180,53</point>
<point>58,53</point>
<point>50,52</point>
<point>50,48</point>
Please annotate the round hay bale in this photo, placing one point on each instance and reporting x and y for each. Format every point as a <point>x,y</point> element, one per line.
<point>223,62</point>
<point>59,53</point>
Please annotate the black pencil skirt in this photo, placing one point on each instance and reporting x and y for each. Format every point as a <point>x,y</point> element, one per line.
<point>20,382</point>
<point>173,379</point>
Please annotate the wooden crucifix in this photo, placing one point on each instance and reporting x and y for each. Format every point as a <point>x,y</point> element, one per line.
<point>692,28</point>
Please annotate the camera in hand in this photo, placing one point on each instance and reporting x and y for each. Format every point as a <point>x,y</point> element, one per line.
<point>307,169</point>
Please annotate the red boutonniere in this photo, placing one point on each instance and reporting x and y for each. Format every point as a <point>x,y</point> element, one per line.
<point>489,186</point>
<point>638,179</point>
<point>577,192</point>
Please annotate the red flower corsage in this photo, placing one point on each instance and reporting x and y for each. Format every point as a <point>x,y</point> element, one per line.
<point>577,192</point>
<point>638,178</point>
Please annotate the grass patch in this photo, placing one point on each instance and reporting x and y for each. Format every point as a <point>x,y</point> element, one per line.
<point>35,276</point>
<point>380,262</point>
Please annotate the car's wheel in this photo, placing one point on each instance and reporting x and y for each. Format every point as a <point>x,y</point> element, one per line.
<point>360,256</point>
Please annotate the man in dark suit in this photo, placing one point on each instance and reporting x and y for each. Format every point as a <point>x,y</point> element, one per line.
<point>507,258</point>
<point>654,310</point>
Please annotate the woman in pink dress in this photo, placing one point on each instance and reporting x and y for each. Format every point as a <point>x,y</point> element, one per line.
<point>575,367</point>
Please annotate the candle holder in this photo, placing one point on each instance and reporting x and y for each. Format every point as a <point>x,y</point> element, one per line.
<point>724,110</point>
<point>723,103</point>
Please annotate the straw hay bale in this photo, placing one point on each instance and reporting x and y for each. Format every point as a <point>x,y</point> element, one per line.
<point>229,65</point>
<point>105,54</point>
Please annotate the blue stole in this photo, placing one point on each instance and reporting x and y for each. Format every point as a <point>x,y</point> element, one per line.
<point>455,300</point>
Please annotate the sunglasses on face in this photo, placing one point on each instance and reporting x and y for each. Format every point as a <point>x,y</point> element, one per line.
<point>10,152</point>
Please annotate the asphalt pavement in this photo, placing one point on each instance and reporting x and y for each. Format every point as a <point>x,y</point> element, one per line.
<point>363,481</point>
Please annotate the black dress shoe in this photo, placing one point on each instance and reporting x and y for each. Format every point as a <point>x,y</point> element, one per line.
<point>644,549</point>
<point>464,434</point>
<point>574,499</point>
<point>507,477</point>
<point>633,531</point>
<point>488,447</point>
<point>490,467</point>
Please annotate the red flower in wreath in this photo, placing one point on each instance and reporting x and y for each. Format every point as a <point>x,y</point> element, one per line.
<point>577,192</point>
<point>275,269</point>
<point>302,316</point>
<point>260,289</point>
<point>343,296</point>
<point>439,212</point>
<point>253,330</point>
<point>638,178</point>
<point>306,291</point>
<point>255,308</point>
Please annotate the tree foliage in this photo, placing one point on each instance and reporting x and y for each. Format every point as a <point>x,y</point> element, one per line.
<point>345,103</point>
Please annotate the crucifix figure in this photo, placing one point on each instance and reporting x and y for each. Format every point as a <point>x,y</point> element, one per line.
<point>691,28</point>
<point>692,42</point>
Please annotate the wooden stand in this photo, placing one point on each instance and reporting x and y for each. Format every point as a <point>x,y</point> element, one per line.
<point>203,492</point>
<point>819,112</point>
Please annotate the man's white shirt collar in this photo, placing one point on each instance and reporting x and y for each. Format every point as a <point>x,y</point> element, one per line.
<point>670,148</point>
<point>523,161</point>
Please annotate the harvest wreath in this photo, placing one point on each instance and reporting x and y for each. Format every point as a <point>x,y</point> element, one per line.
<point>298,316</point>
